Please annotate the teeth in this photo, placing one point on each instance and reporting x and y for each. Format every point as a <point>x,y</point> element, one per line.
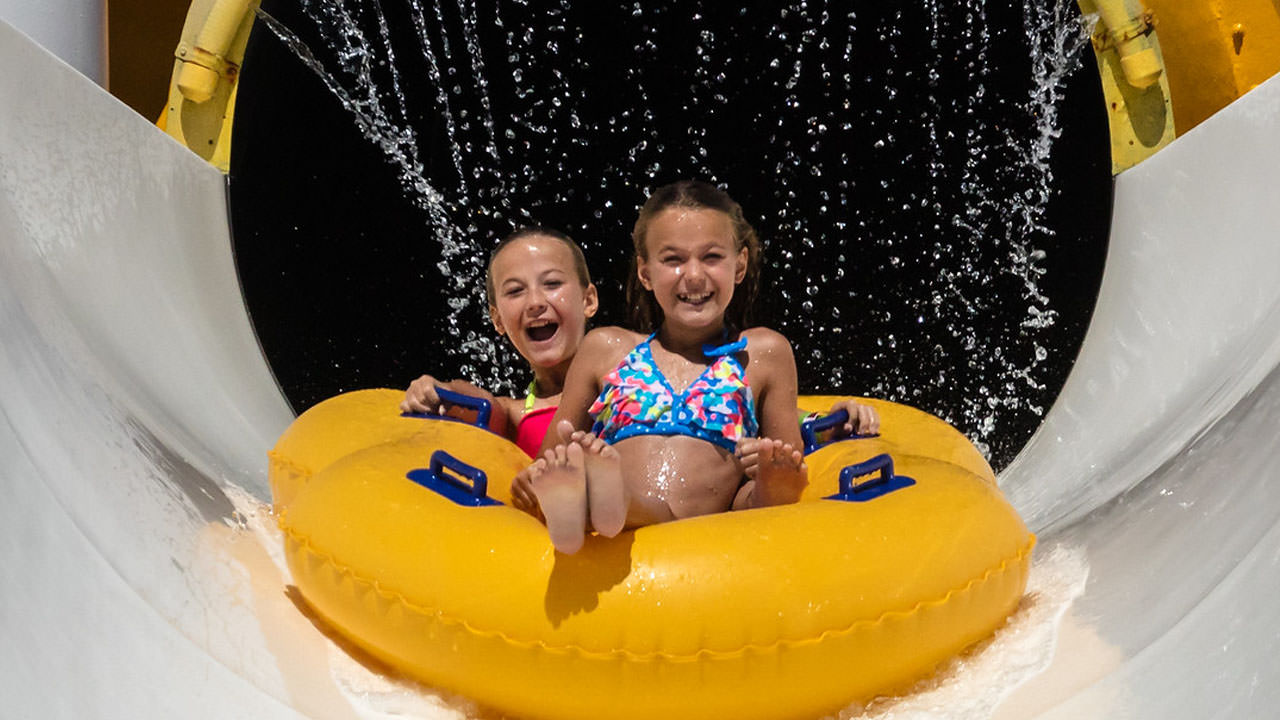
<point>695,298</point>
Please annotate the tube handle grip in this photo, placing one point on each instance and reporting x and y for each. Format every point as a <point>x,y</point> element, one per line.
<point>886,482</point>
<point>453,484</point>
<point>809,430</point>
<point>483,408</point>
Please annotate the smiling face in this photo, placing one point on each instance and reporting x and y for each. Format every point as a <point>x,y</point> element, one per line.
<point>692,265</point>
<point>539,302</point>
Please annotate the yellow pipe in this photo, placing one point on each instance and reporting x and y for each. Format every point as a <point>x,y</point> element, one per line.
<point>1134,83</point>
<point>1128,26</point>
<point>204,62</point>
<point>206,67</point>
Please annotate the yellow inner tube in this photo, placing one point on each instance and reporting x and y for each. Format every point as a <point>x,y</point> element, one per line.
<point>790,611</point>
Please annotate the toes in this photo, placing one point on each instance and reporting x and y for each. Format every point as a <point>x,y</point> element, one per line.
<point>565,429</point>
<point>789,452</point>
<point>574,455</point>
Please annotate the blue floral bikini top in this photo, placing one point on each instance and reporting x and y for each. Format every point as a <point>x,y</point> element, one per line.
<point>638,400</point>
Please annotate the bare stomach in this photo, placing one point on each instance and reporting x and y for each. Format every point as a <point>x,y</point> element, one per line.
<point>673,477</point>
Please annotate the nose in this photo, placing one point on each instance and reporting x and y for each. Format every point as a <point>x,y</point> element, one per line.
<point>693,272</point>
<point>536,301</point>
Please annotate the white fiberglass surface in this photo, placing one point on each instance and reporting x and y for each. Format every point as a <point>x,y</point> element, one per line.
<point>136,411</point>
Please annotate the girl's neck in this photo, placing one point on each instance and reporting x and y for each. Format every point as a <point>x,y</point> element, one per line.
<point>549,381</point>
<point>689,341</point>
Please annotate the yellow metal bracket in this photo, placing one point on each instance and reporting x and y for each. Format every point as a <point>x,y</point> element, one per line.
<point>1129,39</point>
<point>206,68</point>
<point>1134,83</point>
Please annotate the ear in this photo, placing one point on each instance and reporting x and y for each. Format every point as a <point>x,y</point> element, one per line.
<point>642,272</point>
<point>496,320</point>
<point>591,301</point>
<point>741,272</point>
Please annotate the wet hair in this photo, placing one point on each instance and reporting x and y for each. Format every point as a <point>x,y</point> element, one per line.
<point>644,311</point>
<point>579,260</point>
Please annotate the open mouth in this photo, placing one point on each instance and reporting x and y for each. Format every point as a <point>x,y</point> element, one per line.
<point>539,333</point>
<point>693,299</point>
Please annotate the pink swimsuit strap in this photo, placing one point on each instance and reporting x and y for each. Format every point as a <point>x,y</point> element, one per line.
<point>533,428</point>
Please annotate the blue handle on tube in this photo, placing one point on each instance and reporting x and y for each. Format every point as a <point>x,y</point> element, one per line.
<point>809,430</point>
<point>483,408</point>
<point>883,484</point>
<point>453,485</point>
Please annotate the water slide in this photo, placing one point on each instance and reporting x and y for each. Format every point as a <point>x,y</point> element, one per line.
<point>136,410</point>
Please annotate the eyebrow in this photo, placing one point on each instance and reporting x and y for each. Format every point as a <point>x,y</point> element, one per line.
<point>703,247</point>
<point>542,275</point>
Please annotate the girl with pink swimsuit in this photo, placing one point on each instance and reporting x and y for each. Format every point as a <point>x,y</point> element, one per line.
<point>541,297</point>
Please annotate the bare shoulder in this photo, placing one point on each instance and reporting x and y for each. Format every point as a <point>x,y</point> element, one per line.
<point>513,407</point>
<point>763,341</point>
<point>770,358</point>
<point>608,345</point>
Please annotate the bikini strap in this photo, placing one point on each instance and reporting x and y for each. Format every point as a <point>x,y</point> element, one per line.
<point>711,352</point>
<point>715,351</point>
<point>530,397</point>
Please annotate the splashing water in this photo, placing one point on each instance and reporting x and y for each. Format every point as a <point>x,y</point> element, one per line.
<point>899,164</point>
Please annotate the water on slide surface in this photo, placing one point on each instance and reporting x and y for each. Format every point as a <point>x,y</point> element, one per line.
<point>136,409</point>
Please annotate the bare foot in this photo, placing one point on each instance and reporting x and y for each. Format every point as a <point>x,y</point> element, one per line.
<point>748,453</point>
<point>781,474</point>
<point>561,487</point>
<point>606,495</point>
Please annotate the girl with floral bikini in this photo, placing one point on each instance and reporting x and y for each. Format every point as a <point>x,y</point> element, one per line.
<point>658,427</point>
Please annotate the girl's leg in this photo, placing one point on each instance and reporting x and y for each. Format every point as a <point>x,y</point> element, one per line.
<point>607,498</point>
<point>559,481</point>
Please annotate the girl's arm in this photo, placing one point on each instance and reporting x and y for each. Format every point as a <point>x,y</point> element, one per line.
<point>596,356</point>
<point>421,397</point>
<point>775,385</point>
<point>772,375</point>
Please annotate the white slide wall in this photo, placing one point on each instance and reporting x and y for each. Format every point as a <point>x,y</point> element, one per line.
<point>135,409</point>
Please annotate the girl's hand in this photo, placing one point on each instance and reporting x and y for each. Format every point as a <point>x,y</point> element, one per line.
<point>863,419</point>
<point>522,497</point>
<point>421,397</point>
